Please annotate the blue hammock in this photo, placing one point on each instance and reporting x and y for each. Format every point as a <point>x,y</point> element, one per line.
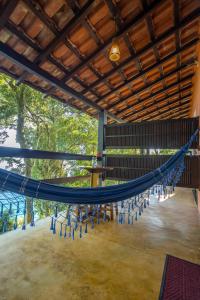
<point>169,172</point>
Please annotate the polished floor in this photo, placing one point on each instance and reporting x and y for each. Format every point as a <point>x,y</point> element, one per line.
<point>112,262</point>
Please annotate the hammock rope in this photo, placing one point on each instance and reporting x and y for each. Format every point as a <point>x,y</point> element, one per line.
<point>100,195</point>
<point>88,206</point>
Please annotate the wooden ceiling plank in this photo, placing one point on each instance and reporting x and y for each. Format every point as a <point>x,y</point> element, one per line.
<point>152,37</point>
<point>175,115</point>
<point>21,35</point>
<point>190,62</point>
<point>7,11</point>
<point>168,33</point>
<point>176,22</point>
<point>178,114</point>
<point>83,20</point>
<point>160,101</point>
<point>93,33</point>
<point>170,111</point>
<point>41,90</point>
<point>51,25</point>
<point>74,5</point>
<point>128,81</point>
<point>155,50</point>
<point>28,66</point>
<point>174,84</point>
<point>186,101</point>
<point>142,101</point>
<point>63,33</point>
<point>62,36</point>
<point>115,13</point>
<point>119,34</point>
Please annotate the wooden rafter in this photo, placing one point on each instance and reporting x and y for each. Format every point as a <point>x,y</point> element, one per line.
<point>157,41</point>
<point>160,91</point>
<point>158,103</point>
<point>34,69</point>
<point>119,34</point>
<point>171,110</point>
<point>159,80</point>
<point>8,9</point>
<point>159,110</point>
<point>155,56</point>
<point>51,25</point>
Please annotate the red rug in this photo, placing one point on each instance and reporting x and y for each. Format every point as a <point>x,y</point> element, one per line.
<point>181,280</point>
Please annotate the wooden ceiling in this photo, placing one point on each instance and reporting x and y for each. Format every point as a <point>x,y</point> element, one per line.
<point>61,48</point>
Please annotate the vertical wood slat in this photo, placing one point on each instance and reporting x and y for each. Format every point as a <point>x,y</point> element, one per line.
<point>167,134</point>
<point>130,167</point>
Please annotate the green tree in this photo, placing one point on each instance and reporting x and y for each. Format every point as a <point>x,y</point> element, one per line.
<point>44,124</point>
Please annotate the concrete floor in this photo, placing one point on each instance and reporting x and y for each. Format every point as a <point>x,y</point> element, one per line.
<point>112,262</point>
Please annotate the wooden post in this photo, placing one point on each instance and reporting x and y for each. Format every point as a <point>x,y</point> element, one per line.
<point>95,179</point>
<point>95,174</point>
<point>101,142</point>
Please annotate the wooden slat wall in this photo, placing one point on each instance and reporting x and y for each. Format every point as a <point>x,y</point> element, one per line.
<point>130,167</point>
<point>167,134</point>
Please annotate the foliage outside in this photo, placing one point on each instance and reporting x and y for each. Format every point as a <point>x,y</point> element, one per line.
<point>44,124</point>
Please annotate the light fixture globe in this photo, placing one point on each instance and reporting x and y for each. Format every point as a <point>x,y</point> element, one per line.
<point>114,54</point>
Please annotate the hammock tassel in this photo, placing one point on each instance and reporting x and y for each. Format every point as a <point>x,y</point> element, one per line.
<point>52,223</point>
<point>80,231</point>
<point>65,234</point>
<point>86,228</point>
<point>61,230</point>
<point>54,227</point>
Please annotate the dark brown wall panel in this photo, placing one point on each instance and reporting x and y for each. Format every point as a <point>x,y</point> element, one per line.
<point>167,134</point>
<point>127,167</point>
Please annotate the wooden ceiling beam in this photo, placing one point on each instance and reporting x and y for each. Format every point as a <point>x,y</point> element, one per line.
<point>115,13</point>
<point>174,84</point>
<point>159,80</point>
<point>177,37</point>
<point>119,34</point>
<point>142,101</point>
<point>159,113</point>
<point>20,34</point>
<point>176,115</point>
<point>43,91</point>
<point>64,32</point>
<point>158,102</point>
<point>31,67</point>
<point>35,8</point>
<point>178,101</point>
<point>170,110</point>
<point>7,11</point>
<point>152,37</point>
<point>168,33</point>
<point>93,33</point>
<point>157,64</point>
<point>86,88</point>
<point>74,5</point>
